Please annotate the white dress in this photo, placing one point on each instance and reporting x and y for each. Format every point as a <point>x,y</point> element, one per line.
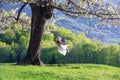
<point>62,49</point>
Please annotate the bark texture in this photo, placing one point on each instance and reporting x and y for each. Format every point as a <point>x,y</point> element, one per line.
<point>40,14</point>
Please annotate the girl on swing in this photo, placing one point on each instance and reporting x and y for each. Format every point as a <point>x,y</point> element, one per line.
<point>61,46</point>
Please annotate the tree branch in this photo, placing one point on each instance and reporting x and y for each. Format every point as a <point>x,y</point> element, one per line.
<point>103,15</point>
<point>19,12</point>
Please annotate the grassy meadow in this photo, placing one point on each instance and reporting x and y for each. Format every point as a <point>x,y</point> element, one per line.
<point>59,72</point>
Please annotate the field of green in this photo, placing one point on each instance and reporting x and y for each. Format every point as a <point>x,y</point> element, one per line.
<point>59,72</point>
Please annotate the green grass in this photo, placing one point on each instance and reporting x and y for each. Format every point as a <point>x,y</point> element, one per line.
<point>59,72</point>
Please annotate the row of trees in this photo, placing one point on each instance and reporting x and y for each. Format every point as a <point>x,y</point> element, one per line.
<point>91,52</point>
<point>14,43</point>
<point>82,50</point>
<point>42,10</point>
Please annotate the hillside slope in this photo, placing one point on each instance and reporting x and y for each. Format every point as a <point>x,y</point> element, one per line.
<point>102,33</point>
<point>59,72</point>
<point>89,27</point>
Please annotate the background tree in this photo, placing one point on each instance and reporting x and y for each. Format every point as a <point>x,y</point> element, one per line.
<point>42,10</point>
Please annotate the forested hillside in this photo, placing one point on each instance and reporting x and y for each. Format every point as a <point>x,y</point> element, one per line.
<point>14,40</point>
<point>92,28</point>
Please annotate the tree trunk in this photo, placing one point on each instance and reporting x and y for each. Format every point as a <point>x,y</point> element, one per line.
<point>39,16</point>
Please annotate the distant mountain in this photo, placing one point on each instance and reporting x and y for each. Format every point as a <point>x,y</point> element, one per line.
<point>86,26</point>
<point>102,33</point>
